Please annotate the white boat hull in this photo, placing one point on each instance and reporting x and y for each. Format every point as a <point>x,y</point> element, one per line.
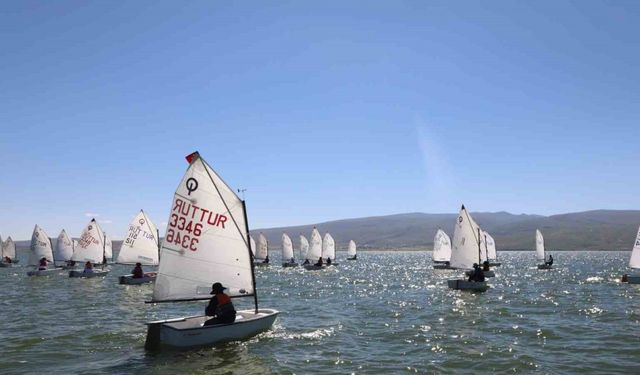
<point>149,277</point>
<point>47,272</point>
<point>190,331</point>
<point>544,267</point>
<point>474,286</point>
<point>82,274</point>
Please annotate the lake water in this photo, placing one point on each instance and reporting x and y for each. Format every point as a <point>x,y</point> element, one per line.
<point>388,312</point>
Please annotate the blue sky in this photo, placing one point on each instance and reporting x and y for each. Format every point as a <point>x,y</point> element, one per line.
<point>321,110</point>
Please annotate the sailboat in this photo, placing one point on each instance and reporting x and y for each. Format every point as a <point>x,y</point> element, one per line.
<point>304,248</point>
<point>466,251</point>
<point>8,251</point>
<point>492,254</point>
<point>91,247</point>
<point>329,250</point>
<point>441,250</point>
<point>108,249</point>
<point>351,251</point>
<point>634,262</point>
<point>253,246</point>
<point>40,248</point>
<point>141,245</point>
<point>287,252</point>
<point>63,250</point>
<point>540,256</point>
<point>215,248</point>
<point>262,251</point>
<point>315,251</point>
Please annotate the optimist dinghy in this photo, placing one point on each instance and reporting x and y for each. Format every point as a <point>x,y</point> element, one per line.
<point>304,248</point>
<point>211,246</point>
<point>466,251</point>
<point>634,263</point>
<point>351,251</point>
<point>329,250</point>
<point>441,251</point>
<point>63,250</point>
<point>492,254</point>
<point>40,248</point>
<point>7,250</point>
<point>90,248</point>
<point>287,252</point>
<point>140,246</point>
<point>540,256</point>
<point>315,251</point>
<point>262,251</point>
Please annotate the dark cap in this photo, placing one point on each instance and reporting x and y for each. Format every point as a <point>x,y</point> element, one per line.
<point>217,288</point>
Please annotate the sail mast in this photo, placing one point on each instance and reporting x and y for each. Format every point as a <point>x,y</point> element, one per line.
<point>253,275</point>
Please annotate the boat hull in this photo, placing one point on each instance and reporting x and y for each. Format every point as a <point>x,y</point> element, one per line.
<point>47,272</point>
<point>473,286</point>
<point>287,264</point>
<point>190,332</point>
<point>352,258</point>
<point>442,266</point>
<point>486,273</point>
<point>495,264</point>
<point>86,275</point>
<point>633,279</point>
<point>149,277</point>
<point>260,264</point>
<point>5,265</point>
<point>312,267</point>
<point>544,267</point>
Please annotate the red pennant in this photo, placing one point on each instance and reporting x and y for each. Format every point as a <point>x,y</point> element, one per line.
<point>192,157</point>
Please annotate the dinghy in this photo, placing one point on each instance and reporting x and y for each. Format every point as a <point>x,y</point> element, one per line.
<point>262,251</point>
<point>492,254</point>
<point>634,263</point>
<point>40,248</point>
<point>441,250</point>
<point>108,249</point>
<point>487,253</point>
<point>351,251</point>
<point>91,247</point>
<point>212,246</point>
<point>315,251</point>
<point>329,250</point>
<point>8,251</point>
<point>304,248</point>
<point>466,251</point>
<point>540,251</point>
<point>287,252</point>
<point>141,245</point>
<point>64,249</point>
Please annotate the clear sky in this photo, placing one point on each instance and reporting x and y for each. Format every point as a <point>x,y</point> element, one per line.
<point>321,110</point>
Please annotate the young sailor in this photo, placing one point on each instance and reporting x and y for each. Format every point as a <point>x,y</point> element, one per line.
<point>550,261</point>
<point>43,264</point>
<point>88,267</point>
<point>319,263</point>
<point>266,260</point>
<point>220,307</point>
<point>137,271</point>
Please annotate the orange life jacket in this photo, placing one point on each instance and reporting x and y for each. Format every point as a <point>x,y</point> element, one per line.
<point>223,299</point>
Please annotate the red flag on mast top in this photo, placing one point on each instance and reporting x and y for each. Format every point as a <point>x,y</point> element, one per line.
<point>192,157</point>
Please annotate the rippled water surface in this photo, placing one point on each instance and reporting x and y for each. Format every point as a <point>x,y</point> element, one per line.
<point>388,312</point>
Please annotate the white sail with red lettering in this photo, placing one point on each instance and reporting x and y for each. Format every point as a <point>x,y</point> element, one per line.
<point>206,239</point>
<point>328,247</point>
<point>64,248</point>
<point>40,247</point>
<point>304,247</point>
<point>8,249</point>
<point>315,246</point>
<point>287,248</point>
<point>141,243</point>
<point>262,252</point>
<point>466,244</point>
<point>90,246</point>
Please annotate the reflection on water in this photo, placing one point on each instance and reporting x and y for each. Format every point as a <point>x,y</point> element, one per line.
<point>386,312</point>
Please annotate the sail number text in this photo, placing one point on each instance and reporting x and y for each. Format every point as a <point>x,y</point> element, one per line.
<point>186,224</point>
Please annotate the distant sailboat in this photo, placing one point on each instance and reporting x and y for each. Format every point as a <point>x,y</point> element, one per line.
<point>287,252</point>
<point>8,250</point>
<point>91,247</point>
<point>441,250</point>
<point>329,250</point>
<point>634,262</point>
<point>262,251</point>
<point>492,254</point>
<point>253,246</point>
<point>217,252</point>
<point>40,248</point>
<point>304,248</point>
<point>466,251</point>
<point>351,251</point>
<point>141,245</point>
<point>315,251</point>
<point>540,255</point>
<point>64,249</point>
<point>108,249</point>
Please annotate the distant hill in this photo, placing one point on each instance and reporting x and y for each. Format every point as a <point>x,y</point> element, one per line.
<point>589,230</point>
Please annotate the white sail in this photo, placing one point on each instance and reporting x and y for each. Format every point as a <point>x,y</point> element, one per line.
<point>253,246</point>
<point>304,247</point>
<point>40,247</point>
<point>8,249</point>
<point>141,243</point>
<point>634,261</point>
<point>539,246</point>
<point>90,246</point>
<point>108,247</point>
<point>206,239</point>
<point>328,247</point>
<point>64,248</point>
<point>315,248</point>
<point>351,250</point>
<point>287,248</point>
<point>262,252</point>
<point>441,247</point>
<point>75,244</point>
<point>466,244</point>
<point>490,246</point>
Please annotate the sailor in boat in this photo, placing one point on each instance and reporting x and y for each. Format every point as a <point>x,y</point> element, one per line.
<point>220,307</point>
<point>477,274</point>
<point>328,261</point>
<point>550,261</point>
<point>8,260</point>
<point>355,257</point>
<point>88,267</point>
<point>137,271</point>
<point>306,261</point>
<point>292,260</point>
<point>485,266</point>
<point>43,264</point>
<point>319,262</point>
<point>266,260</point>
<point>71,263</point>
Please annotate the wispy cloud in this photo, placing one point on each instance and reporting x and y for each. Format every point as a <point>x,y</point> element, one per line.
<point>91,214</point>
<point>440,180</point>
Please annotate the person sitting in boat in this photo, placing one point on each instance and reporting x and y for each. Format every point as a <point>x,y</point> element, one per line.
<point>319,262</point>
<point>292,260</point>
<point>328,261</point>
<point>266,259</point>
<point>7,260</point>
<point>306,261</point>
<point>550,261</point>
<point>485,266</point>
<point>88,267</point>
<point>220,307</point>
<point>137,271</point>
<point>43,264</point>
<point>71,263</point>
<point>477,274</point>
<point>355,257</point>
